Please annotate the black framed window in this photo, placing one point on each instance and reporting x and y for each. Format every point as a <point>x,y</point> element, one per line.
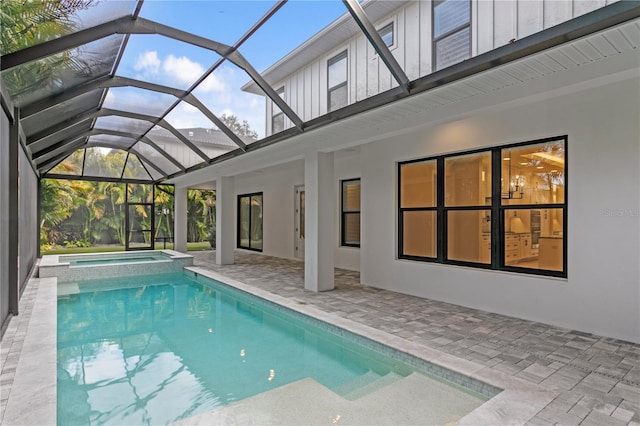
<point>451,32</point>
<point>447,205</point>
<point>387,34</point>
<point>350,213</point>
<point>277,119</point>
<point>249,234</point>
<point>467,206</point>
<point>418,209</point>
<point>533,208</point>
<point>337,94</point>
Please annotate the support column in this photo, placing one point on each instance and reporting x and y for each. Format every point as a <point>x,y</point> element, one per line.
<point>13,234</point>
<point>180,220</point>
<point>319,222</point>
<point>225,223</point>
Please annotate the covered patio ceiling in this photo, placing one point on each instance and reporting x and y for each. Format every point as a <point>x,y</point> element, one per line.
<point>117,80</point>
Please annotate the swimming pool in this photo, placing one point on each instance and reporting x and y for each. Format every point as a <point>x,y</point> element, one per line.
<point>88,266</point>
<point>166,347</point>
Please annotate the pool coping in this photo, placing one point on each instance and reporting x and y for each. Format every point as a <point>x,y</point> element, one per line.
<point>33,394</point>
<point>60,266</point>
<point>55,259</point>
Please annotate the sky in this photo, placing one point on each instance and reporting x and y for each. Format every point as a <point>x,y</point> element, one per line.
<point>172,63</point>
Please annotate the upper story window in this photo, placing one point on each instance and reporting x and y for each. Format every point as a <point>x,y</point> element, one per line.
<point>337,81</point>
<point>451,32</point>
<point>277,119</point>
<point>386,33</point>
<point>502,208</point>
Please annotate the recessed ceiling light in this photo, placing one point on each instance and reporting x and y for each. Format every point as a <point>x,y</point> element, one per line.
<point>523,164</point>
<point>540,167</point>
<point>554,171</point>
<point>506,158</point>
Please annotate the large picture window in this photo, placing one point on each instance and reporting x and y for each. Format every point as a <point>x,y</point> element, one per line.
<point>451,32</point>
<point>447,207</point>
<point>350,212</point>
<point>337,95</point>
<point>250,221</point>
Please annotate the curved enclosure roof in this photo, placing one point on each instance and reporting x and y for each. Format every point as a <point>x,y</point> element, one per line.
<point>139,91</point>
<point>133,91</point>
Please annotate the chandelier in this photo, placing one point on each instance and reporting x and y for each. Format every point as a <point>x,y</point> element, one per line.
<point>515,188</point>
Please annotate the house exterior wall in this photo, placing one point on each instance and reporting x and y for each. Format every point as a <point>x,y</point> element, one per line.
<point>493,24</point>
<point>345,166</point>
<point>601,294</point>
<point>277,185</point>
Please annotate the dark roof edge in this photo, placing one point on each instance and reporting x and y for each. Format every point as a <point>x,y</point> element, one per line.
<point>5,100</point>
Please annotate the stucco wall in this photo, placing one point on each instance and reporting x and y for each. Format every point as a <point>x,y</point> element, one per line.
<point>346,166</point>
<point>602,292</point>
<point>277,185</point>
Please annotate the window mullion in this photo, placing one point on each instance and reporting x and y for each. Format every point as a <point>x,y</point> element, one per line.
<point>496,214</point>
<point>441,219</point>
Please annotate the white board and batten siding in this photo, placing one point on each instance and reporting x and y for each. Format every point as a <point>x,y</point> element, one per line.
<point>494,23</point>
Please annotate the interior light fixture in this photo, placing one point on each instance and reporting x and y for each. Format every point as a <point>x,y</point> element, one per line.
<point>515,184</point>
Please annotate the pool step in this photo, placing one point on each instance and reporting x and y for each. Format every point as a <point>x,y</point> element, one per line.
<point>414,400</point>
<point>365,384</point>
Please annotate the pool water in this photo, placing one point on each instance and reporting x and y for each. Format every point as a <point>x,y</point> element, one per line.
<point>166,347</point>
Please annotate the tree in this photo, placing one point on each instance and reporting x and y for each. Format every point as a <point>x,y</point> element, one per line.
<point>27,23</point>
<point>201,220</point>
<point>241,129</point>
<point>56,205</point>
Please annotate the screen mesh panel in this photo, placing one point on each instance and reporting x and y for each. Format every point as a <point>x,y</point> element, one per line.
<point>68,135</point>
<point>176,64</point>
<point>112,140</point>
<point>133,99</point>
<point>54,74</point>
<point>123,124</point>
<point>61,112</point>
<point>72,165</point>
<point>56,19</point>
<point>241,112</point>
<point>134,169</point>
<point>153,172</point>
<point>104,162</point>
<point>174,146</point>
<point>151,154</point>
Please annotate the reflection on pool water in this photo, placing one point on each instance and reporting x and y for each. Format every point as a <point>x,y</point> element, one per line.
<point>166,347</point>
